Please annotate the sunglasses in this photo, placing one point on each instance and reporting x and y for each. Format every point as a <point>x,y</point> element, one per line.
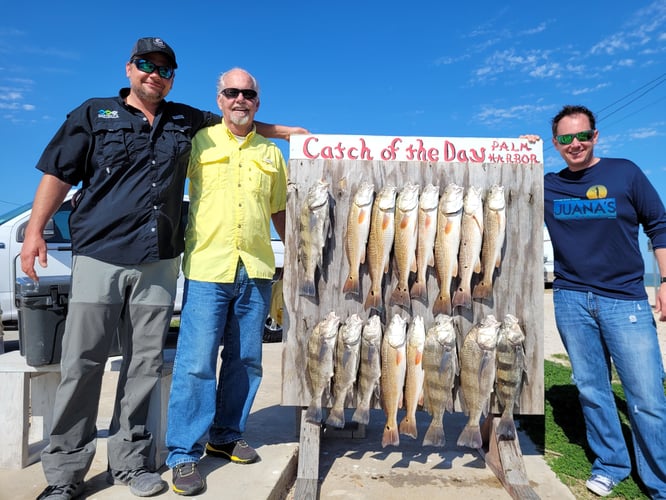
<point>145,66</point>
<point>566,139</point>
<point>231,93</point>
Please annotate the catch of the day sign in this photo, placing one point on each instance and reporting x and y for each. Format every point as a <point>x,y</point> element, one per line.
<point>452,149</point>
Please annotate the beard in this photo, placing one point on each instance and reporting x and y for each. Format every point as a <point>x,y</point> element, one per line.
<point>239,120</point>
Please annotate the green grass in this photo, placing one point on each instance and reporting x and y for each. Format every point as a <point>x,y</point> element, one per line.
<point>565,444</point>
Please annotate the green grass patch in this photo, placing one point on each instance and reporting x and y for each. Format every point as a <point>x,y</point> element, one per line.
<point>565,443</point>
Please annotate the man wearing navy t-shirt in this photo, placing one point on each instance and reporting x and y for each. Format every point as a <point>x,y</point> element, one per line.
<point>593,209</point>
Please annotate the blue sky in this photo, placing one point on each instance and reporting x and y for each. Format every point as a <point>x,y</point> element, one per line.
<point>435,69</point>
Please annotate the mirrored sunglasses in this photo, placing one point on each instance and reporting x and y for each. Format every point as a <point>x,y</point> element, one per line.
<point>146,66</point>
<point>566,139</point>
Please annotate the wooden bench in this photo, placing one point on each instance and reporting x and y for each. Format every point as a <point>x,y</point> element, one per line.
<point>26,408</point>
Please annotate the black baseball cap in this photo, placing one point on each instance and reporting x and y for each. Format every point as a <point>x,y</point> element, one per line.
<point>147,45</point>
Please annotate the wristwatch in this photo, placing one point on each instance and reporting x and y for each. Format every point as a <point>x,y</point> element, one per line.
<point>663,279</point>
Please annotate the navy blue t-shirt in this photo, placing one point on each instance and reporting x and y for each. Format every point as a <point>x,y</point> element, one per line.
<point>593,217</point>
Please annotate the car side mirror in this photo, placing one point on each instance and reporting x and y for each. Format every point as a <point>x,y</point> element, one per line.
<point>48,233</point>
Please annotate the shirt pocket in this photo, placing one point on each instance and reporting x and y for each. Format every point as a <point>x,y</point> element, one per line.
<point>261,174</point>
<point>176,140</point>
<point>213,171</point>
<point>113,148</point>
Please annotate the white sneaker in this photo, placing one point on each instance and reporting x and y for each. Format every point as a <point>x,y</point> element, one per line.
<point>601,485</point>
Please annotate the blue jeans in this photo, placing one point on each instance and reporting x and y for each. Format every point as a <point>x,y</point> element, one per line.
<point>594,330</point>
<point>232,312</point>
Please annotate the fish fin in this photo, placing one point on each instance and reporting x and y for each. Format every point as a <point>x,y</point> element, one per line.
<point>313,413</point>
<point>414,267</point>
<point>470,437</point>
<point>336,418</point>
<point>391,437</point>
<point>506,428</point>
<point>442,304</point>
<point>361,415</point>
<point>434,436</point>
<point>462,298</point>
<point>477,266</point>
<point>419,292</point>
<point>351,286</point>
<point>363,253</point>
<point>408,427</point>
<point>400,297</point>
<point>482,290</point>
<point>373,300</point>
<point>308,289</point>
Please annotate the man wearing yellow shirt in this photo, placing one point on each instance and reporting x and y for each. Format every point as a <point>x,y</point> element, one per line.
<point>237,184</point>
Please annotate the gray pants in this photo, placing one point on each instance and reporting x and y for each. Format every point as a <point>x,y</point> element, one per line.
<point>137,302</point>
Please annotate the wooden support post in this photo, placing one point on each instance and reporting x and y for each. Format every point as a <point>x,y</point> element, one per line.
<point>505,459</point>
<point>307,479</point>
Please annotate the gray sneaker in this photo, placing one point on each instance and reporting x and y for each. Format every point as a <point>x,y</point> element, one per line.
<point>62,491</point>
<point>187,480</point>
<point>141,482</point>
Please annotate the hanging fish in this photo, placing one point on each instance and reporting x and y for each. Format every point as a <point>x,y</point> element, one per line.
<point>393,377</point>
<point>369,370</point>
<point>380,243</point>
<point>494,230</point>
<point>477,375</point>
<point>347,352</point>
<point>425,248</point>
<point>414,375</point>
<point>440,365</point>
<point>447,242</point>
<point>321,347</point>
<point>405,240</point>
<point>469,253</point>
<point>356,235</point>
<point>314,232</point>
<point>511,371</point>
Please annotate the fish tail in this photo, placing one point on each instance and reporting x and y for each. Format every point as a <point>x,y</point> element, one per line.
<point>462,298</point>
<point>470,437</point>
<point>390,437</point>
<point>351,285</point>
<point>400,297</point>
<point>373,300</point>
<point>408,426</point>
<point>482,290</point>
<point>336,418</point>
<point>308,289</point>
<point>442,304</point>
<point>434,436</point>
<point>506,429</point>
<point>361,415</point>
<point>313,413</point>
<point>419,291</point>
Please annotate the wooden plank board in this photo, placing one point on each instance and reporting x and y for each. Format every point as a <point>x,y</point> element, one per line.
<point>505,459</point>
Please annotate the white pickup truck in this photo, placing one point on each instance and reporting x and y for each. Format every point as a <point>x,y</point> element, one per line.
<point>56,234</point>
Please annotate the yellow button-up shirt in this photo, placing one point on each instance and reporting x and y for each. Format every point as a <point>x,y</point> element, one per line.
<point>234,188</point>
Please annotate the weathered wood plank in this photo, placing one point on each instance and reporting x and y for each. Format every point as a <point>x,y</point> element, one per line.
<point>505,459</point>
<point>307,478</point>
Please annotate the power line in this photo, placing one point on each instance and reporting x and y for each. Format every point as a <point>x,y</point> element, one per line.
<point>663,80</point>
<point>631,93</point>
